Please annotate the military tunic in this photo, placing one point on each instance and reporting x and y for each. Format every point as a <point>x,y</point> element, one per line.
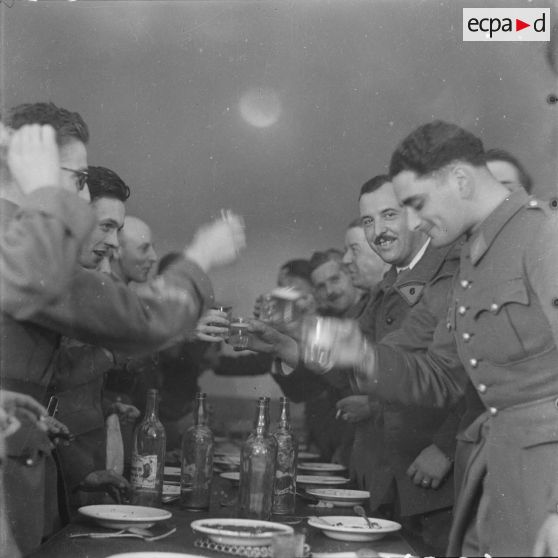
<point>90,307</point>
<point>502,328</point>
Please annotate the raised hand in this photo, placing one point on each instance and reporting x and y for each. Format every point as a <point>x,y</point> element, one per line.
<point>218,243</point>
<point>33,158</point>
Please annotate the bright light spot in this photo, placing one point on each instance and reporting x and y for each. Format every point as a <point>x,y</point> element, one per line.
<point>260,107</point>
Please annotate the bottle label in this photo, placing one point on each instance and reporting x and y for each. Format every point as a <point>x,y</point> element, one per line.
<point>144,471</point>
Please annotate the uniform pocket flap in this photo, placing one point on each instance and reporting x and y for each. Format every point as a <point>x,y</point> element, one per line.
<point>547,434</point>
<point>513,291</point>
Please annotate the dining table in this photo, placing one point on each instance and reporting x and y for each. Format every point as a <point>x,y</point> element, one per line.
<point>185,540</point>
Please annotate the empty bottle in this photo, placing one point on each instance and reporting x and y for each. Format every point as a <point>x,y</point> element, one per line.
<point>257,468</point>
<point>284,492</point>
<point>197,460</point>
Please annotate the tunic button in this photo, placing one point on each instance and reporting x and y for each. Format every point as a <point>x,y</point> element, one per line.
<point>493,411</point>
<point>473,362</point>
<point>533,203</point>
<point>462,310</point>
<point>465,283</point>
<point>29,462</point>
<point>494,307</point>
<point>389,320</point>
<point>482,388</point>
<point>467,337</point>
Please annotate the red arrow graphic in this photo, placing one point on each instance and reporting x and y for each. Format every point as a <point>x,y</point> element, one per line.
<point>519,25</point>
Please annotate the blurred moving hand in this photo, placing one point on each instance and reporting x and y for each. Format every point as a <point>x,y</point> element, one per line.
<point>33,158</point>
<point>218,243</point>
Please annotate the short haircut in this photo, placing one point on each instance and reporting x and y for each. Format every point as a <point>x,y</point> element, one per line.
<point>434,145</point>
<point>503,155</point>
<point>330,255</point>
<point>105,183</point>
<point>374,184</point>
<point>167,260</point>
<point>297,268</point>
<point>69,126</point>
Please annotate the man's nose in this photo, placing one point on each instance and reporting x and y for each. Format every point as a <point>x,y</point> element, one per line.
<point>347,257</point>
<point>111,240</point>
<point>413,220</point>
<point>379,227</point>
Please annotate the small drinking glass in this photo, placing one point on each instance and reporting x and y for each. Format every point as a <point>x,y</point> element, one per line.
<point>226,309</point>
<point>283,545</point>
<point>238,334</point>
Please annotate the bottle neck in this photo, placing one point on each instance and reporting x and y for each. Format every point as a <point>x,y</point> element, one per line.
<point>262,418</point>
<point>285,418</point>
<point>200,412</point>
<point>152,406</point>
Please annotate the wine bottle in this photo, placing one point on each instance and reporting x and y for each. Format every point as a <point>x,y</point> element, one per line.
<point>148,457</point>
<point>197,460</point>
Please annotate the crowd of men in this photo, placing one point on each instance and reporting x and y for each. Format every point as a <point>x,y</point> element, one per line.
<point>440,397</point>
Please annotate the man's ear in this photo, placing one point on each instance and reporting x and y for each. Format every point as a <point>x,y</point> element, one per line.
<point>463,178</point>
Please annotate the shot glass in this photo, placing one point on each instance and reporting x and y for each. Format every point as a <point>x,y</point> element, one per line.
<point>238,334</point>
<point>283,545</point>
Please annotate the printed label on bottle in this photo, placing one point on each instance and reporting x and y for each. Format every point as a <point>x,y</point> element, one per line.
<point>144,471</point>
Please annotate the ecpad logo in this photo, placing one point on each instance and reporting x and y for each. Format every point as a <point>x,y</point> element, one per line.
<point>506,24</point>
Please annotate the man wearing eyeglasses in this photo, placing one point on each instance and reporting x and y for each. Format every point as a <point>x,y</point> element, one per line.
<point>85,310</point>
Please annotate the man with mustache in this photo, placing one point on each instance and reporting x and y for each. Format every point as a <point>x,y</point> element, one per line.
<point>332,283</point>
<point>419,444</point>
<point>501,327</point>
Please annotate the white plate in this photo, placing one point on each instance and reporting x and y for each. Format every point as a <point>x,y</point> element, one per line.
<point>311,480</point>
<point>227,461</point>
<point>171,489</point>
<point>172,471</point>
<point>233,476</point>
<point>339,497</point>
<point>308,455</point>
<point>234,531</point>
<point>122,517</point>
<point>153,554</point>
<point>353,528</point>
<point>322,467</point>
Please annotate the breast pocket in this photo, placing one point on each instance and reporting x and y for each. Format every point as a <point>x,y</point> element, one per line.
<point>497,313</point>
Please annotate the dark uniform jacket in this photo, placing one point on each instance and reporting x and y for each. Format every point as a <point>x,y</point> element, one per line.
<point>408,429</point>
<point>90,307</point>
<point>502,327</point>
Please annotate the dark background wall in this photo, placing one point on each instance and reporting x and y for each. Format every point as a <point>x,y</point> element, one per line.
<point>279,110</point>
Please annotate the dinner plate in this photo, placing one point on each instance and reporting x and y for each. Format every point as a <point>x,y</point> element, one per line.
<point>339,497</point>
<point>227,461</point>
<point>321,467</point>
<point>308,455</point>
<point>244,532</point>
<point>353,528</point>
<point>233,476</point>
<point>331,480</point>
<point>122,517</point>
<point>154,554</point>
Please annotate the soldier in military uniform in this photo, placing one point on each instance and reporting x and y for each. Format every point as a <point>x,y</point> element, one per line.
<point>502,327</point>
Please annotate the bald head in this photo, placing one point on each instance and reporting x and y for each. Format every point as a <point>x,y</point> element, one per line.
<point>135,256</point>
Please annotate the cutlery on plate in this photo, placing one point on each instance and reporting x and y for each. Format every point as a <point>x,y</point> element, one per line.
<point>321,520</point>
<point>361,553</point>
<point>359,510</point>
<point>132,533</point>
